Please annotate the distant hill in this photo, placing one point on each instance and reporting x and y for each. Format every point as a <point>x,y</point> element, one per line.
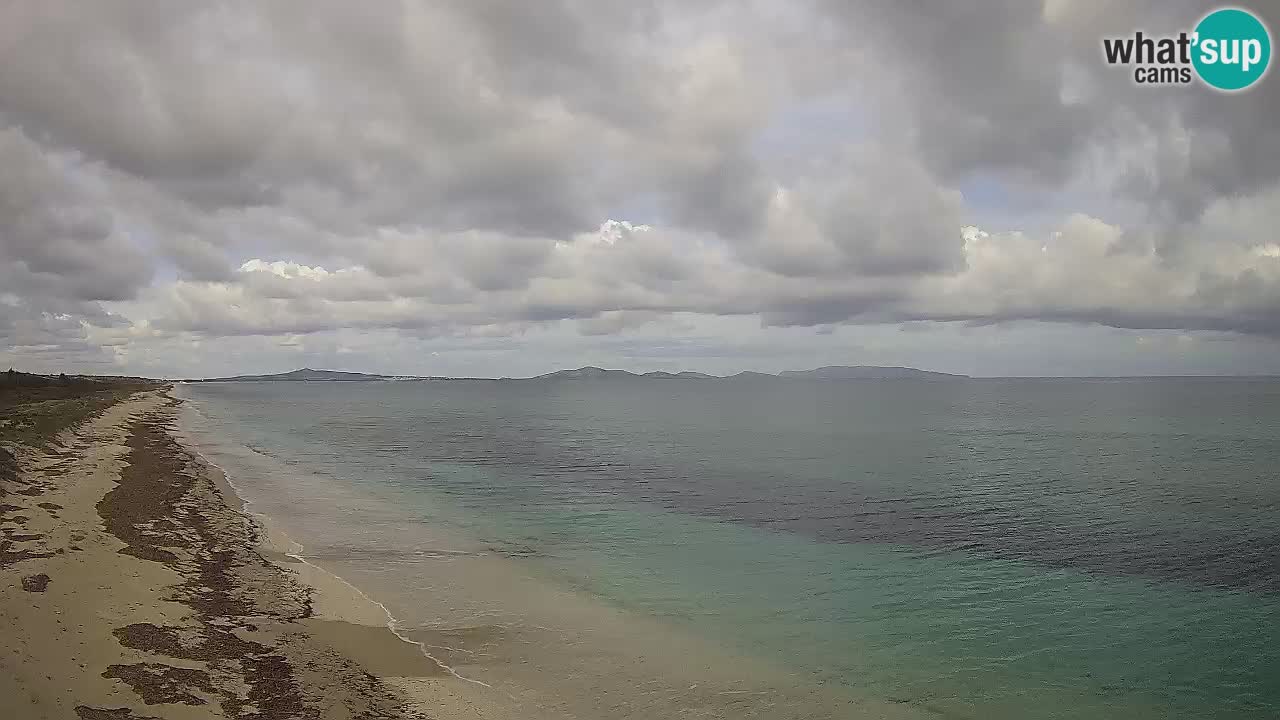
<point>830,372</point>
<point>867,372</point>
<point>752,375</point>
<point>303,375</point>
<point>590,372</point>
<point>686,375</point>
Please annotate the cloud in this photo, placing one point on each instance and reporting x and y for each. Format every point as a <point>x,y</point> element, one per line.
<point>463,170</point>
<point>845,223</point>
<point>1086,271</point>
<point>60,241</point>
<point>450,115</point>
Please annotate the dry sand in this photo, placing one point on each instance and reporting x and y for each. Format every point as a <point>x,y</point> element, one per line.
<point>131,588</point>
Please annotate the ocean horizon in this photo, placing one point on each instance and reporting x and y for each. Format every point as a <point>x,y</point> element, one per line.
<point>989,549</point>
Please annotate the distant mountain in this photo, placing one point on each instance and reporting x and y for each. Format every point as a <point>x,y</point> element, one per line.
<point>867,372</point>
<point>303,375</point>
<point>831,372</point>
<point>590,372</point>
<point>686,375</point>
<point>691,375</point>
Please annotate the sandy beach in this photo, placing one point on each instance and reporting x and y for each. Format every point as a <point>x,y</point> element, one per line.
<point>137,584</point>
<point>133,587</point>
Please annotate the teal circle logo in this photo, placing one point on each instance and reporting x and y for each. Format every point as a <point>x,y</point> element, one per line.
<point>1232,49</point>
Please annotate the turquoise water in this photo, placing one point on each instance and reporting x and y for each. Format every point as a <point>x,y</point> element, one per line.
<point>1032,549</point>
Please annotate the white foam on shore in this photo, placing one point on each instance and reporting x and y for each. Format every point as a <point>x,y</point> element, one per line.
<point>274,538</point>
<point>391,619</point>
<point>562,652</point>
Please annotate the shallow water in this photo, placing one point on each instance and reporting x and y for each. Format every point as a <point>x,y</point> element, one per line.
<point>1029,549</point>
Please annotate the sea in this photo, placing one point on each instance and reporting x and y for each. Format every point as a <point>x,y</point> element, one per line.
<point>985,548</point>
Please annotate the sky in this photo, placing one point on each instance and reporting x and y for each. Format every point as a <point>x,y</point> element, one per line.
<point>484,188</point>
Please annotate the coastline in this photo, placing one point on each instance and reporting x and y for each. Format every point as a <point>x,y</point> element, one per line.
<point>520,643</point>
<point>133,587</point>
<point>164,594</point>
<point>139,582</point>
<point>336,602</point>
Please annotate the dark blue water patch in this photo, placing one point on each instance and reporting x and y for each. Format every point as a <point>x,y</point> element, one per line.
<point>1001,492</point>
<point>1173,479</point>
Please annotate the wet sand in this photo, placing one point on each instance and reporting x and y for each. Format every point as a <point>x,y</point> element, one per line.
<point>522,644</point>
<point>135,585</point>
<point>131,588</point>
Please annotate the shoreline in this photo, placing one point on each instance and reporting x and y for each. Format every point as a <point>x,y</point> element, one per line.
<point>134,588</point>
<point>162,592</point>
<point>444,694</point>
<point>140,582</point>
<point>274,542</point>
<point>538,648</point>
